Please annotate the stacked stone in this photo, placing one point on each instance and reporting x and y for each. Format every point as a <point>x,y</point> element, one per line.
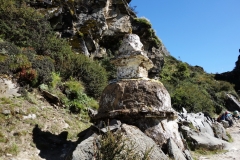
<point>133,95</point>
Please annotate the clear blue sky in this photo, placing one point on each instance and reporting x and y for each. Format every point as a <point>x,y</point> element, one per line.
<point>199,32</point>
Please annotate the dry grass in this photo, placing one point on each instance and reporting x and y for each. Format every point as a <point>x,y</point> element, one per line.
<point>16,132</point>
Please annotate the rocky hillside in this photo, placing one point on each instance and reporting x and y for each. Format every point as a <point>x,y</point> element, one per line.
<point>191,87</point>
<point>232,76</point>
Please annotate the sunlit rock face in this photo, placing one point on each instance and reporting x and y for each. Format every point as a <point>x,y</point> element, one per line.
<point>96,28</point>
<point>8,88</point>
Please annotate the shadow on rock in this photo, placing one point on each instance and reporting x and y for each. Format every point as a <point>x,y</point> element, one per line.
<point>51,146</point>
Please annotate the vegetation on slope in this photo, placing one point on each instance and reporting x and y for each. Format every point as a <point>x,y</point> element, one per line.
<point>192,88</point>
<point>31,51</point>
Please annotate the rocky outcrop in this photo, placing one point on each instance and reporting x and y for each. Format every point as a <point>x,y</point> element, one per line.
<point>85,150</point>
<point>198,140</point>
<point>174,151</point>
<point>232,103</point>
<point>219,131</point>
<point>142,143</point>
<point>232,76</point>
<point>96,28</point>
<point>134,140</point>
<point>201,131</point>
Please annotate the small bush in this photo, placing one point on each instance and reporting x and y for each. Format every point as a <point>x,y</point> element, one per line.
<point>143,21</point>
<point>77,100</point>
<point>114,146</point>
<point>91,73</point>
<point>8,48</point>
<point>109,67</point>
<point>192,98</point>
<point>19,63</point>
<point>44,66</point>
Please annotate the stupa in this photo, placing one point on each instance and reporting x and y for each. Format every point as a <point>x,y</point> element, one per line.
<point>133,95</point>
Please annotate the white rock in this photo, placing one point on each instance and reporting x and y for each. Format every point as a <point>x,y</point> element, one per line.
<point>8,88</point>
<point>30,116</point>
<point>130,43</point>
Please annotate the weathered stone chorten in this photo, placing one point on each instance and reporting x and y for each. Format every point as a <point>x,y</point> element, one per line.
<point>133,96</point>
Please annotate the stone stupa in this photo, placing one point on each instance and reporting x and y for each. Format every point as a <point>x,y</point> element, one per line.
<point>135,99</point>
<point>133,95</point>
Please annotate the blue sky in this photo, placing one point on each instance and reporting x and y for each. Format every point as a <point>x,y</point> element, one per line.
<point>199,32</point>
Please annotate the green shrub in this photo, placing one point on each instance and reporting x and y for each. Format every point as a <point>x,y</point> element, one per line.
<point>143,21</point>
<point>77,100</point>
<point>56,80</point>
<point>192,88</point>
<point>20,62</point>
<point>192,98</point>
<point>25,27</point>
<point>44,66</point>
<point>182,71</point>
<point>7,48</point>
<point>109,67</point>
<point>91,73</point>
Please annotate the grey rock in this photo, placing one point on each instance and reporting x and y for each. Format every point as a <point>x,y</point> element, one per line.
<point>225,123</point>
<point>184,113</point>
<point>188,155</point>
<point>92,112</point>
<point>6,112</point>
<point>142,143</point>
<point>113,125</point>
<point>198,121</point>
<point>173,150</point>
<point>232,103</point>
<point>85,150</point>
<point>219,131</point>
<point>202,139</point>
<point>30,116</point>
<point>161,130</point>
<point>8,88</point>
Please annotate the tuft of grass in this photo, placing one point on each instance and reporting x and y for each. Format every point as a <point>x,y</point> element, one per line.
<point>230,137</point>
<point>3,138</point>
<point>5,100</point>
<point>13,149</point>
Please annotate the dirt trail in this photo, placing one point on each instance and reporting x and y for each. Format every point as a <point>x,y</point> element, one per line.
<point>233,149</point>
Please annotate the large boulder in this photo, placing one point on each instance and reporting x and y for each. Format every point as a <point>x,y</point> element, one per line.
<point>129,100</point>
<point>200,122</point>
<point>232,103</point>
<point>134,141</point>
<point>85,150</point>
<point>173,150</point>
<point>197,140</point>
<point>219,131</point>
<point>142,143</point>
<point>161,130</point>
